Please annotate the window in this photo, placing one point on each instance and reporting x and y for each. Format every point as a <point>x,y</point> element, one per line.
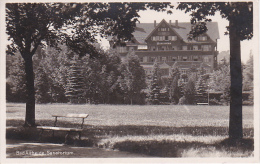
<point>202,38</point>
<point>174,48</point>
<point>206,59</point>
<point>163,29</point>
<point>184,58</point>
<point>153,48</point>
<point>166,37</point>
<point>145,59</point>
<point>184,47</point>
<point>206,47</point>
<point>174,58</point>
<point>173,38</point>
<point>131,48</point>
<point>142,47</point>
<point>164,59</point>
<point>195,47</point>
<point>141,59</point>
<point>164,48</point>
<point>195,58</point>
<point>121,49</point>
<point>152,59</point>
<point>184,71</point>
<point>161,38</point>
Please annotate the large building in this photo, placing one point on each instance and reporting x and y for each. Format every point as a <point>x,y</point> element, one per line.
<point>168,44</point>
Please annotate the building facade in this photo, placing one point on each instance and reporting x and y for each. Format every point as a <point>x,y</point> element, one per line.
<point>167,43</point>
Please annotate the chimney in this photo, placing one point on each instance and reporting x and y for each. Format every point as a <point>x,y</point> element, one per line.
<point>176,23</point>
<point>154,23</point>
<point>170,22</point>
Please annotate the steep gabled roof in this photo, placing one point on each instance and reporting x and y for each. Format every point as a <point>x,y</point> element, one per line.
<point>212,32</point>
<point>164,65</point>
<point>143,30</point>
<point>157,26</point>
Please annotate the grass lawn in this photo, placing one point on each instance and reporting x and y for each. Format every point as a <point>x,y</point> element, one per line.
<point>162,131</point>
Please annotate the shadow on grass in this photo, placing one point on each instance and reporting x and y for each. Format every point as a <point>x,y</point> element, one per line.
<point>124,130</point>
<point>164,148</point>
<point>176,149</point>
<point>157,148</point>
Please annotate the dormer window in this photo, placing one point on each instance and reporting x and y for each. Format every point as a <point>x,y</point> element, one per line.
<point>163,29</point>
<point>202,38</point>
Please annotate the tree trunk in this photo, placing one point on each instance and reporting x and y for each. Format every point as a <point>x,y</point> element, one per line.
<point>235,118</point>
<point>30,103</point>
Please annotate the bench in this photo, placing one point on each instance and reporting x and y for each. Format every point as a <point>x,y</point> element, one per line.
<point>202,104</point>
<point>68,130</point>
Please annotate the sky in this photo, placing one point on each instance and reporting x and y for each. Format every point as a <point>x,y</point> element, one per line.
<point>223,43</point>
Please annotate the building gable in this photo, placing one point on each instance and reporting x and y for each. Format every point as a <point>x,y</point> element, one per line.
<point>163,29</point>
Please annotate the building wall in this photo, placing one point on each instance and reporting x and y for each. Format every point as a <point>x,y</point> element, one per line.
<point>164,45</point>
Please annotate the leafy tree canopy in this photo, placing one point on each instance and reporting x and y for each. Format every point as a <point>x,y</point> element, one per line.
<point>76,24</point>
<point>240,13</point>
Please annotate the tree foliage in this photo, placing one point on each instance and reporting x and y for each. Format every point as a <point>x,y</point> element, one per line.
<point>29,25</point>
<point>155,85</point>
<point>189,90</point>
<point>15,79</point>
<point>248,79</point>
<point>132,80</point>
<point>240,13</point>
<point>75,90</point>
<point>173,87</point>
<point>248,74</point>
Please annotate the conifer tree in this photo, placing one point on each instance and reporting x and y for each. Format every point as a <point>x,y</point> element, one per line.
<point>189,91</point>
<point>75,88</point>
<point>201,89</point>
<point>42,88</point>
<point>16,80</point>
<point>174,89</point>
<point>155,87</point>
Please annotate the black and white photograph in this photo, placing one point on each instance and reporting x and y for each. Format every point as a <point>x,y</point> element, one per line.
<point>151,81</point>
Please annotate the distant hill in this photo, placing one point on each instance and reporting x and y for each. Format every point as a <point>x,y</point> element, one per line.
<point>224,54</point>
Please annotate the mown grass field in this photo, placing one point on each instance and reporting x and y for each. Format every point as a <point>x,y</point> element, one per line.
<point>164,130</point>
